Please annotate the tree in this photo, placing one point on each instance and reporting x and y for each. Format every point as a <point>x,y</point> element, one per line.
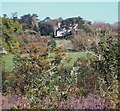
<point>108,67</point>
<point>35,22</point>
<point>14,16</point>
<point>60,19</point>
<point>29,22</point>
<point>10,29</point>
<point>82,41</point>
<point>47,19</point>
<point>26,21</point>
<point>46,29</point>
<point>4,15</point>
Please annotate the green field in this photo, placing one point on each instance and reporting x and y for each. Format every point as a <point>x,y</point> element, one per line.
<point>8,62</point>
<point>67,44</point>
<point>73,56</point>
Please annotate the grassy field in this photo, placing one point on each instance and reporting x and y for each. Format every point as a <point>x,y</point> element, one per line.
<point>8,62</point>
<point>73,56</point>
<point>65,43</point>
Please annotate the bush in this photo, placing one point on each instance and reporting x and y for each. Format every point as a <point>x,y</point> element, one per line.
<point>52,43</point>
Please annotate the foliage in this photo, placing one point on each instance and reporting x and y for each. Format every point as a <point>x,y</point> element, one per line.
<point>33,70</point>
<point>108,68</point>
<point>71,22</point>
<point>47,19</point>
<point>100,74</point>
<point>85,76</point>
<point>46,29</point>
<point>9,29</point>
<point>52,43</point>
<point>29,22</point>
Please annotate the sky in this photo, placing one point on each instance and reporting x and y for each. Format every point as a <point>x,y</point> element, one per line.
<point>93,11</point>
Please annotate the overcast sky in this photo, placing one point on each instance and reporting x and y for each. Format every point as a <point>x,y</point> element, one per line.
<point>93,11</point>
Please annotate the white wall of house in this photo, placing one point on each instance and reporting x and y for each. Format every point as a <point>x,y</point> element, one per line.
<point>59,33</point>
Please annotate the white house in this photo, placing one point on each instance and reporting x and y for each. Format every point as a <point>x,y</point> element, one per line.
<point>59,32</point>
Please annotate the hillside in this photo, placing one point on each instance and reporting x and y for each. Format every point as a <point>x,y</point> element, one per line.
<point>59,63</point>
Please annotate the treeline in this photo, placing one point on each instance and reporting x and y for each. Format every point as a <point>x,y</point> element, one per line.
<point>82,33</point>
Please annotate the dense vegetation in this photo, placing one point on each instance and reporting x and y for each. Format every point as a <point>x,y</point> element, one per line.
<point>59,73</point>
